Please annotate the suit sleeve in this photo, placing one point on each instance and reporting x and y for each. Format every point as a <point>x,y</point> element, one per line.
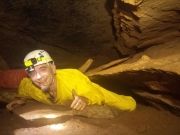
<point>99,95</point>
<point>28,90</point>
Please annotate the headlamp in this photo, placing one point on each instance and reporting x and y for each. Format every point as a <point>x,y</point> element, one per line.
<point>34,61</point>
<point>29,64</point>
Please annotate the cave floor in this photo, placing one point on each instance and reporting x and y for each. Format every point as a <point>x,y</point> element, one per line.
<point>144,120</point>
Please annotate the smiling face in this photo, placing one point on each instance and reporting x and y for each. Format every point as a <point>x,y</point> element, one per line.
<point>43,76</point>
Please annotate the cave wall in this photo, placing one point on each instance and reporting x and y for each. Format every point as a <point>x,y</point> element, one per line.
<point>141,24</point>
<point>69,29</point>
<point>72,27</point>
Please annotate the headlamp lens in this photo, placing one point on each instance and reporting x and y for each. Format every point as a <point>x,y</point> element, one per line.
<point>30,62</point>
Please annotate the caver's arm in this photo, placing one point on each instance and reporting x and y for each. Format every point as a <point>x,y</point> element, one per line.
<point>98,95</point>
<point>15,103</point>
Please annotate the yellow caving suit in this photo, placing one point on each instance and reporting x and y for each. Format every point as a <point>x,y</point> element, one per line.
<point>72,79</point>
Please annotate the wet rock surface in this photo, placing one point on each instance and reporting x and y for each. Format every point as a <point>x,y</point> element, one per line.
<point>144,120</point>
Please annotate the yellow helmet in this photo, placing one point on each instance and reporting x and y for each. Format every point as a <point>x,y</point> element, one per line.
<point>35,58</point>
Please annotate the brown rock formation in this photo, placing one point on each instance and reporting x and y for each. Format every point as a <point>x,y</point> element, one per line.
<point>144,23</point>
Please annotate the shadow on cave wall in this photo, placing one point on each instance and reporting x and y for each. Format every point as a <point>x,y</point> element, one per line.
<point>152,81</point>
<point>109,5</point>
<point>162,81</point>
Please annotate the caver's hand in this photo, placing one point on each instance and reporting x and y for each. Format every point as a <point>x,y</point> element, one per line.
<point>15,103</point>
<point>79,103</point>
